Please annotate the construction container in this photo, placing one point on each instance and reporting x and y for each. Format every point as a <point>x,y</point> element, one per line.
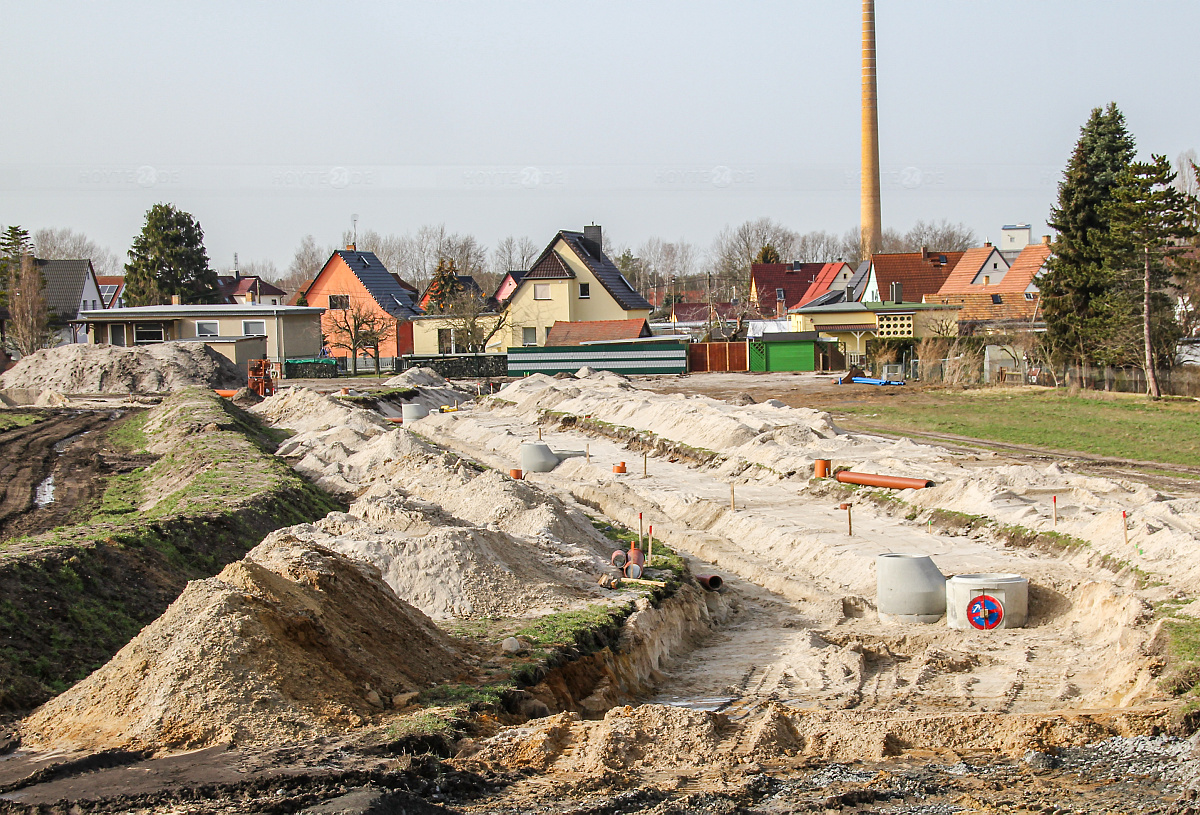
<point>987,601</point>
<point>909,588</point>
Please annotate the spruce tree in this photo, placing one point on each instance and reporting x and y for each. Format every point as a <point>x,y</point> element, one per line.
<point>15,244</point>
<point>1077,291</point>
<point>1150,220</point>
<point>169,258</point>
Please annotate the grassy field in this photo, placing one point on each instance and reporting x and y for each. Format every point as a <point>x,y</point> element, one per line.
<point>1118,425</point>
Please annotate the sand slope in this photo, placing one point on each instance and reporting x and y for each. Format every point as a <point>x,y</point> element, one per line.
<point>293,641</point>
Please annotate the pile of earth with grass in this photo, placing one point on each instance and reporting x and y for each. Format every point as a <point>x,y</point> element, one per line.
<point>205,489</point>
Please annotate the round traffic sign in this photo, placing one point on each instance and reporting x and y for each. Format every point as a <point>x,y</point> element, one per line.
<point>985,612</point>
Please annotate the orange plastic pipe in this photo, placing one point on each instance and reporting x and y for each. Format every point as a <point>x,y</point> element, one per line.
<point>893,481</point>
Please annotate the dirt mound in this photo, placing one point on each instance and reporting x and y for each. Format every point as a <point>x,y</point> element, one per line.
<point>166,366</point>
<point>293,641</point>
<point>305,410</point>
<point>432,389</point>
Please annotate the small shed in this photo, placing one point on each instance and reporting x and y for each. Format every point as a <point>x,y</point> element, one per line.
<point>795,351</point>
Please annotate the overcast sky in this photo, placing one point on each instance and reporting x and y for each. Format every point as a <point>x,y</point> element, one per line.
<point>271,121</point>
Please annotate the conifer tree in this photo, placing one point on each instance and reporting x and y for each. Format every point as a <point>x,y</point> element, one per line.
<point>1150,220</point>
<point>444,287</point>
<point>1077,292</point>
<point>15,244</point>
<point>168,258</point>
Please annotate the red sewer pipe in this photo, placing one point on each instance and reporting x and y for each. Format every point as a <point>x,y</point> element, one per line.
<point>712,582</point>
<point>893,481</point>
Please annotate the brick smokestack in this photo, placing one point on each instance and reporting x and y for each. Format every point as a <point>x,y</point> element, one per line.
<point>871,219</point>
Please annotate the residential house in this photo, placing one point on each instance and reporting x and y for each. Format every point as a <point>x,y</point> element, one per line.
<point>465,281</point>
<point>508,285</point>
<point>776,287</point>
<point>353,285</point>
<point>112,290</point>
<point>916,273</point>
<point>833,277</point>
<point>571,281</point>
<point>239,331</point>
<point>71,289</point>
<point>855,324</point>
<point>248,290</point>
<point>992,296</point>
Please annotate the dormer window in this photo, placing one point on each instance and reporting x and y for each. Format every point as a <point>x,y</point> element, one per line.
<point>779,295</point>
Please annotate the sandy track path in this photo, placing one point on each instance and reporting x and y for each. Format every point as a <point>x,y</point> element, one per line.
<point>804,632</point>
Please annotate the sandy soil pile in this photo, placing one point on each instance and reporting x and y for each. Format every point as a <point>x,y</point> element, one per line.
<point>81,368</point>
<point>433,390</point>
<point>770,442</point>
<point>451,539</point>
<point>293,641</point>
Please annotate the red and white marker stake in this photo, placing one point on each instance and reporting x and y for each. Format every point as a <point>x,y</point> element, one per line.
<point>1054,503</point>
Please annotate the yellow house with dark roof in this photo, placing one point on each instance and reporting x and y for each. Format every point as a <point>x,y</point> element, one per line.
<point>571,281</point>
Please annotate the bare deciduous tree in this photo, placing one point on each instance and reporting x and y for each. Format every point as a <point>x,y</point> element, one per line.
<point>512,253</point>
<point>1185,179</point>
<point>734,249</point>
<point>67,244</point>
<point>359,327</point>
<point>306,263</point>
<point>474,320</point>
<point>29,314</point>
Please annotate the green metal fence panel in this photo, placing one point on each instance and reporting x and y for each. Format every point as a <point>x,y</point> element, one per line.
<point>758,356</point>
<point>622,358</point>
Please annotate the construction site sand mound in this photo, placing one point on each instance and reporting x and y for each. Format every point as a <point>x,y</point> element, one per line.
<point>157,368</point>
<point>453,539</point>
<point>771,442</point>
<point>433,390</point>
<point>294,641</point>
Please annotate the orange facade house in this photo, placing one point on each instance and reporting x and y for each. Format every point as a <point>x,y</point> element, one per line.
<point>358,281</point>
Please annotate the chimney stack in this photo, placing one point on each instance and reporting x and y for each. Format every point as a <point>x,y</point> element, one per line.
<point>897,291</point>
<point>594,236</point>
<point>351,247</point>
<point>176,300</point>
<point>1045,240</point>
<point>872,219</point>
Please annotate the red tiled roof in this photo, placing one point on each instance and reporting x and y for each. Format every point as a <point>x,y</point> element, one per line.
<point>967,269</point>
<point>564,333</point>
<point>918,273</point>
<point>1025,268</point>
<point>821,282</point>
<point>549,267</point>
<point>982,307</point>
<point>231,286</point>
<point>846,327</point>
<point>766,278</point>
<point>299,291</point>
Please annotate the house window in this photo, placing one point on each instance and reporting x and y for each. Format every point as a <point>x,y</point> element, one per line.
<point>585,291</point>
<point>779,295</point>
<point>147,333</point>
<point>541,291</point>
<point>1029,295</point>
<point>996,300</point>
<point>528,336</point>
<point>254,328</point>
<point>206,328</point>
<point>339,301</point>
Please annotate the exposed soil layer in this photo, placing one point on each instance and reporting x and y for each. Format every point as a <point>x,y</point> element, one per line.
<point>72,596</point>
<point>70,445</point>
